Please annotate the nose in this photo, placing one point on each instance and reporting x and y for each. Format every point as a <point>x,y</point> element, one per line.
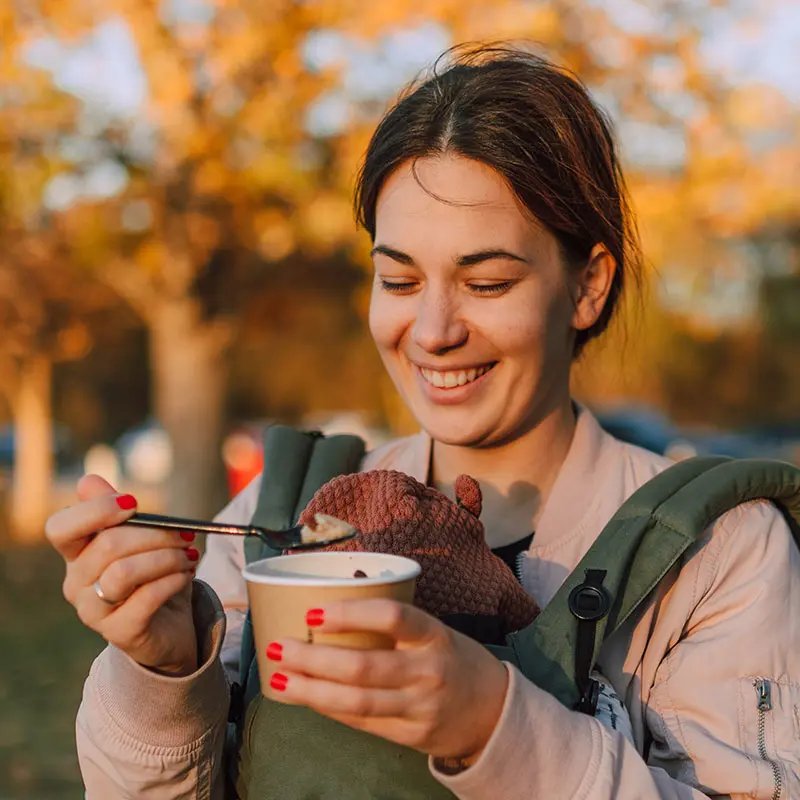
<point>438,326</point>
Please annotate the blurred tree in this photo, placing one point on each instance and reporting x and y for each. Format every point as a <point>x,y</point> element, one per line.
<point>44,302</point>
<point>216,142</point>
<point>207,177</point>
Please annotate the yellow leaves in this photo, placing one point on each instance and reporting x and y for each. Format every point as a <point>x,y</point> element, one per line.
<point>327,222</point>
<point>203,233</point>
<point>152,256</point>
<point>758,106</point>
<point>275,234</point>
<point>508,20</point>
<point>211,177</point>
<point>73,342</point>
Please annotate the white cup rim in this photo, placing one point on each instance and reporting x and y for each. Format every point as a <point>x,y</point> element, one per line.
<point>405,569</point>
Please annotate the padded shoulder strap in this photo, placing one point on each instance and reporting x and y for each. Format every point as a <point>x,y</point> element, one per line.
<point>286,455</point>
<point>296,464</point>
<point>639,545</point>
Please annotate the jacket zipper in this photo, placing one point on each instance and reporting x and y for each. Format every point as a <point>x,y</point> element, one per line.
<point>764,692</point>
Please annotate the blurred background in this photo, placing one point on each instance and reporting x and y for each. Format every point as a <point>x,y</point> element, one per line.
<point>179,265</point>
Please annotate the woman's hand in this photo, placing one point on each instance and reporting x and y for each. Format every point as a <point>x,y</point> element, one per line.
<point>438,691</point>
<point>144,574</point>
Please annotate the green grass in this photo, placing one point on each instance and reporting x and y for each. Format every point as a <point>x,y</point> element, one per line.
<point>45,655</point>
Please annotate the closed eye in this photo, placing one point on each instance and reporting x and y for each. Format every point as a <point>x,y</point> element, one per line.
<point>491,288</point>
<point>398,287</point>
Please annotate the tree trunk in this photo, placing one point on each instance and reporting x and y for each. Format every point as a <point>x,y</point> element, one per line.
<point>189,363</point>
<point>33,449</point>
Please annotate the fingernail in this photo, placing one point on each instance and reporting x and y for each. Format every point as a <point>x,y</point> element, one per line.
<point>278,681</point>
<point>315,617</point>
<point>274,651</point>
<point>192,554</point>
<point>126,502</point>
<point>187,536</point>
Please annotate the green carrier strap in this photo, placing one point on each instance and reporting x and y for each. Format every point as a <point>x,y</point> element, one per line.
<point>296,464</point>
<point>636,549</point>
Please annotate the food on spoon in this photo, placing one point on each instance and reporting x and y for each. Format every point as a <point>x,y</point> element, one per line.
<point>326,529</point>
<point>359,573</point>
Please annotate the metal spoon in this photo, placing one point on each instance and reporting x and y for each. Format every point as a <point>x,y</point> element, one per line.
<point>300,537</point>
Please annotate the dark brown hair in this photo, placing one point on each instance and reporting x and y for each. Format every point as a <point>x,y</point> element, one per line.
<point>536,125</point>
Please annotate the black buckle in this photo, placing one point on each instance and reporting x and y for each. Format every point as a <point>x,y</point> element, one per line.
<point>589,601</point>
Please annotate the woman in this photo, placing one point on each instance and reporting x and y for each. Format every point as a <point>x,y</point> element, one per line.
<point>501,244</point>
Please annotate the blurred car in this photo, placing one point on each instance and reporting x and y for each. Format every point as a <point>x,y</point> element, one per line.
<point>145,453</point>
<point>652,430</point>
<point>758,442</point>
<point>63,446</point>
<point>644,427</point>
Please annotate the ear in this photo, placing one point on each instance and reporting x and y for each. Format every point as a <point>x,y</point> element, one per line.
<point>593,287</point>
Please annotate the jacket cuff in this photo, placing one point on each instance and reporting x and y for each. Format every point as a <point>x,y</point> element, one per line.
<point>163,711</point>
<point>526,749</point>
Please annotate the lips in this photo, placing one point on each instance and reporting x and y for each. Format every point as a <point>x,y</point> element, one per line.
<point>450,379</point>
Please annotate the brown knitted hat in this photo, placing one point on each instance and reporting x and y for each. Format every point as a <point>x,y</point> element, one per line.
<point>462,581</point>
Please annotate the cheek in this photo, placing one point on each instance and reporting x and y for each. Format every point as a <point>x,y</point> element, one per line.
<point>387,320</point>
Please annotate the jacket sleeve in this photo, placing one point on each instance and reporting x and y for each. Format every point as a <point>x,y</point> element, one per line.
<point>143,735</point>
<point>709,738</point>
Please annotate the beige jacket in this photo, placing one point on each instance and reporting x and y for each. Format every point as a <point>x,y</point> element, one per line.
<point>687,669</point>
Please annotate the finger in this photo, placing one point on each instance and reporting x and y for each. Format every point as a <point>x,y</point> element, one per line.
<point>117,544</point>
<point>70,529</point>
<point>122,577</point>
<point>131,620</point>
<point>91,486</point>
<point>139,605</point>
<point>402,621</point>
<point>388,669</point>
<point>328,697</point>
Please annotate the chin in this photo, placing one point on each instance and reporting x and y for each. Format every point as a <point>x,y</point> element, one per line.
<point>457,432</point>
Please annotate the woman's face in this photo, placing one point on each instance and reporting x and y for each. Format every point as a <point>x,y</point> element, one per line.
<point>471,307</point>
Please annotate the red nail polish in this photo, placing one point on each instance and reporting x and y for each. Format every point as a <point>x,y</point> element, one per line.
<point>192,554</point>
<point>278,682</point>
<point>274,651</point>
<point>126,502</point>
<point>315,617</point>
<point>187,536</point>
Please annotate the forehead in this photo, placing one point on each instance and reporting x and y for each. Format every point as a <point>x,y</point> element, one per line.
<point>450,202</point>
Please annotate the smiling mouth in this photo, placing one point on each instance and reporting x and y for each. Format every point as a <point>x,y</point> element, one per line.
<point>452,378</point>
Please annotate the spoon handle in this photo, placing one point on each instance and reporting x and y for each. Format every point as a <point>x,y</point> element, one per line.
<point>180,524</point>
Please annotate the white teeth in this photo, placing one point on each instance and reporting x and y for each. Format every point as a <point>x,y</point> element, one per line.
<point>449,380</point>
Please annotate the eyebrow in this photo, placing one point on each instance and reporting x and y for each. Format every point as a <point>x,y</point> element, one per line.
<point>468,260</point>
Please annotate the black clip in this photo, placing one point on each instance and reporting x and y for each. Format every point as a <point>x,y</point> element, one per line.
<point>588,602</point>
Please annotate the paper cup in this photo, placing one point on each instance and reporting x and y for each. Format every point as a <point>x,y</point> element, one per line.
<point>282,589</point>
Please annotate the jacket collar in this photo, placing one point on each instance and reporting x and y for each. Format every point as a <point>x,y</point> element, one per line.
<point>576,493</point>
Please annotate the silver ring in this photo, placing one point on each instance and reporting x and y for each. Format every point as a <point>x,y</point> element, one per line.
<point>98,590</point>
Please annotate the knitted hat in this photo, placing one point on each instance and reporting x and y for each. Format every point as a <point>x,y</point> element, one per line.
<point>462,582</point>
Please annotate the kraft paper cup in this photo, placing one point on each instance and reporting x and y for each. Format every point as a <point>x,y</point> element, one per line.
<point>282,589</point>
